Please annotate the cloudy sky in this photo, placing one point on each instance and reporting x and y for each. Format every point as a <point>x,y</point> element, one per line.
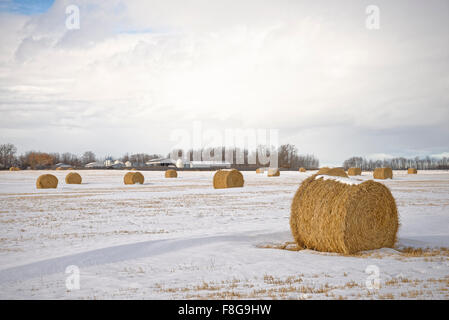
<point>136,71</point>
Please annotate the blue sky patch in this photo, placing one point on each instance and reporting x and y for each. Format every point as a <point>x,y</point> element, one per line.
<point>25,7</point>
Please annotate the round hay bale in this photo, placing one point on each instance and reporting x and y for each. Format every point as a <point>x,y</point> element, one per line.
<point>133,178</point>
<point>228,179</point>
<point>46,181</point>
<point>412,171</point>
<point>354,172</point>
<point>73,178</point>
<point>302,169</point>
<point>334,216</point>
<point>59,168</point>
<point>383,173</point>
<point>170,173</point>
<point>273,172</point>
<point>260,170</point>
<point>14,169</point>
<point>336,172</point>
<point>70,168</point>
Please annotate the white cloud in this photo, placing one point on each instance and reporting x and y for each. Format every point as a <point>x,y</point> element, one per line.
<point>136,67</point>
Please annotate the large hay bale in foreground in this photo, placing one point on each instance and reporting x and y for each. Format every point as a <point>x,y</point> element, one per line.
<point>133,178</point>
<point>260,170</point>
<point>273,172</point>
<point>171,173</point>
<point>383,173</point>
<point>73,178</point>
<point>228,179</point>
<point>336,172</point>
<point>302,169</point>
<point>412,171</point>
<point>46,181</point>
<point>333,216</point>
<point>354,172</point>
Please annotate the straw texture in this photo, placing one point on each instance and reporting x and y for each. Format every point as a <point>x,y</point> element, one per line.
<point>273,172</point>
<point>46,181</point>
<point>336,172</point>
<point>171,173</point>
<point>228,179</point>
<point>331,216</point>
<point>73,178</point>
<point>133,178</point>
<point>383,173</point>
<point>354,172</point>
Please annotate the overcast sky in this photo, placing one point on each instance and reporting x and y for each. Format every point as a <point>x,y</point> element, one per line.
<point>136,71</point>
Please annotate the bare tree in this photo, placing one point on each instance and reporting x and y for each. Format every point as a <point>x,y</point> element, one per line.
<point>88,157</point>
<point>7,155</point>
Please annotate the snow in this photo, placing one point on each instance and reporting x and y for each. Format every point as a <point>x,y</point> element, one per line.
<point>180,238</point>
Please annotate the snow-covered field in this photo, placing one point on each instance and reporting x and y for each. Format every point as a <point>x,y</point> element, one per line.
<point>180,238</point>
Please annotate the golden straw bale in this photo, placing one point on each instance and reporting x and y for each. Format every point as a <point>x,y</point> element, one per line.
<point>260,170</point>
<point>228,179</point>
<point>273,172</point>
<point>383,173</point>
<point>59,168</point>
<point>133,177</point>
<point>73,178</point>
<point>331,215</point>
<point>70,168</point>
<point>336,172</point>
<point>322,170</point>
<point>14,169</point>
<point>412,171</point>
<point>46,181</point>
<point>170,173</point>
<point>302,169</point>
<point>354,172</point>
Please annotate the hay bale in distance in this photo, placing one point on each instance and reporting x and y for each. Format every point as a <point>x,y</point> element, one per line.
<point>228,179</point>
<point>46,181</point>
<point>302,169</point>
<point>336,172</point>
<point>14,169</point>
<point>273,172</point>
<point>412,171</point>
<point>333,216</point>
<point>260,170</point>
<point>133,178</point>
<point>354,172</point>
<point>383,173</point>
<point>73,178</point>
<point>170,173</point>
<point>59,168</point>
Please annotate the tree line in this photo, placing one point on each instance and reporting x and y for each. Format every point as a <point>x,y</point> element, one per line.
<point>42,160</point>
<point>287,157</point>
<point>399,163</point>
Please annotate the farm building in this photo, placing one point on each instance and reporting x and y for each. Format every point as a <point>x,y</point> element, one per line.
<point>94,165</point>
<point>62,165</point>
<point>163,162</point>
